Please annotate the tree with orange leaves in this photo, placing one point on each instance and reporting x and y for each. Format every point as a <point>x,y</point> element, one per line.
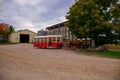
<point>4,28</point>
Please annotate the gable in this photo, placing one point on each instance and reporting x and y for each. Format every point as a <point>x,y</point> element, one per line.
<point>26,31</point>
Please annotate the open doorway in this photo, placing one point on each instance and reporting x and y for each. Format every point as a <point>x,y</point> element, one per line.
<point>24,38</point>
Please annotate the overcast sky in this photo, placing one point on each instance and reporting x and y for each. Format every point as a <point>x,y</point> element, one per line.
<point>33,14</point>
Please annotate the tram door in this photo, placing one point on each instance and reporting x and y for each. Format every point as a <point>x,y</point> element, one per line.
<point>50,41</point>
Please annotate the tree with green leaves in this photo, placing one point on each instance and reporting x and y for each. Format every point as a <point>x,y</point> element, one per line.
<point>94,19</point>
<point>10,30</point>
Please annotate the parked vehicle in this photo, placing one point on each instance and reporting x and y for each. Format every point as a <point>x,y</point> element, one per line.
<point>48,41</point>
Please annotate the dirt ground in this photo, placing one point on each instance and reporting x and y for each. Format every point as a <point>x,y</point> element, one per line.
<point>24,62</point>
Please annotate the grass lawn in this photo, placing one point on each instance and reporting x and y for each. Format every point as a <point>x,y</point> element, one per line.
<point>5,43</point>
<point>108,53</point>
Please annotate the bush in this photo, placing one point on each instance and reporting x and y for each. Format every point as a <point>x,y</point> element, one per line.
<point>3,41</point>
<point>112,46</point>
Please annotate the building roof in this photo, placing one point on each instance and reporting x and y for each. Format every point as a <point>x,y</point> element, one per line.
<point>56,25</point>
<point>25,30</point>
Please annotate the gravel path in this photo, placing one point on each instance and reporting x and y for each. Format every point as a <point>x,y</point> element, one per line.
<point>24,62</point>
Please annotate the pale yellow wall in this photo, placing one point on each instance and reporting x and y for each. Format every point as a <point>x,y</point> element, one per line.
<point>15,37</point>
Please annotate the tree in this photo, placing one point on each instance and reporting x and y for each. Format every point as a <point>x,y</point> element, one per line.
<point>11,29</point>
<point>115,12</point>
<point>94,18</point>
<point>4,28</point>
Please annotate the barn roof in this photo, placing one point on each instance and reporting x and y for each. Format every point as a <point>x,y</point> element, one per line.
<point>25,30</point>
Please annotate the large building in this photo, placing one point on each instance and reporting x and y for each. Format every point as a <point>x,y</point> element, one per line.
<point>60,29</point>
<point>22,36</point>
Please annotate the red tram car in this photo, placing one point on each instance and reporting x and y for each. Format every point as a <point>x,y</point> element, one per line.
<point>48,41</point>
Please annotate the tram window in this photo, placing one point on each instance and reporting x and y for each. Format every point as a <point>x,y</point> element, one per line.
<point>58,39</point>
<point>41,39</point>
<point>36,40</point>
<point>45,39</point>
<point>54,38</point>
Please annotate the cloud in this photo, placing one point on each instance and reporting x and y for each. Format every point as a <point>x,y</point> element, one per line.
<point>33,14</point>
<point>1,0</point>
<point>31,2</point>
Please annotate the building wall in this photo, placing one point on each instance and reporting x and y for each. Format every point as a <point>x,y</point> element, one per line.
<point>15,37</point>
<point>60,29</point>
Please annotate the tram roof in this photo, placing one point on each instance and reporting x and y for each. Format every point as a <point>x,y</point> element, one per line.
<point>48,36</point>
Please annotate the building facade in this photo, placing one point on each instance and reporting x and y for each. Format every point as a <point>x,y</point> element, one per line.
<point>60,29</point>
<point>22,36</point>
